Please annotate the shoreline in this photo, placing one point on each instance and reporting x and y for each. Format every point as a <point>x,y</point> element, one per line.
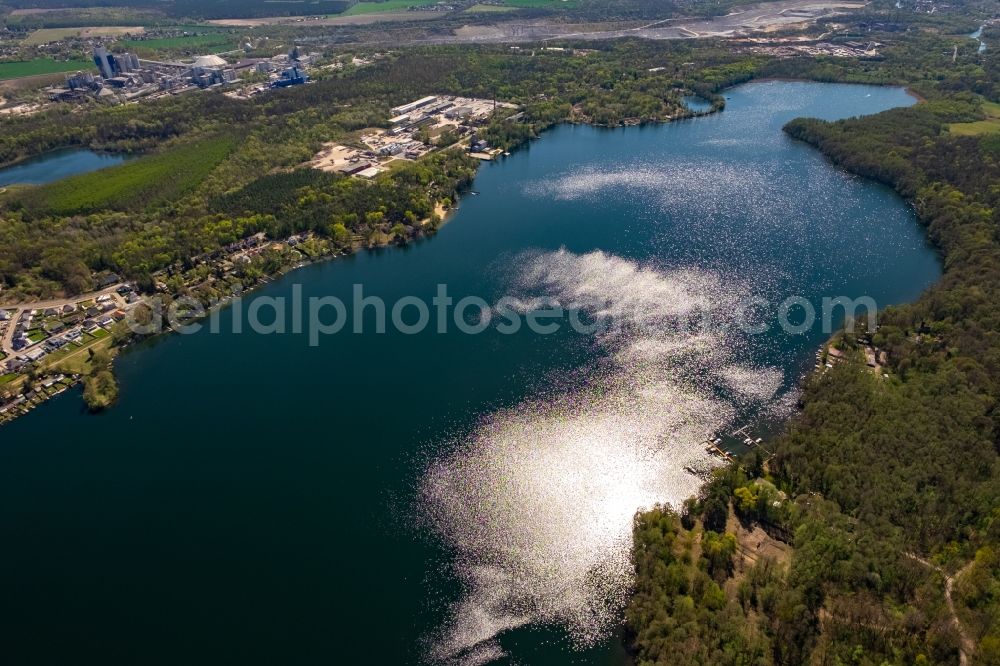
<point>291,269</point>
<point>448,213</point>
<point>797,79</point>
<point>20,161</point>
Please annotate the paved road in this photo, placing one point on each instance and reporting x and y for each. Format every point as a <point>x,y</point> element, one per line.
<point>8,336</point>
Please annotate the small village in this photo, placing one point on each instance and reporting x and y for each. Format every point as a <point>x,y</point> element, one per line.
<point>39,339</point>
<point>46,345</point>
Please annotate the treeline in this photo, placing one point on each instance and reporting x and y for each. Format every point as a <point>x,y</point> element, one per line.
<point>178,9</point>
<point>130,128</point>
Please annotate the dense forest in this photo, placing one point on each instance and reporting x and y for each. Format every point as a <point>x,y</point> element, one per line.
<point>887,487</point>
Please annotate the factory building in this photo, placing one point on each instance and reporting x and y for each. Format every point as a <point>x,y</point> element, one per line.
<point>413,106</point>
<point>115,64</point>
<point>81,80</point>
<point>123,76</point>
<point>104,61</point>
<point>293,76</point>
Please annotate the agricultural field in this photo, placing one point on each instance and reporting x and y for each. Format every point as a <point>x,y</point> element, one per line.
<point>49,35</point>
<point>206,41</point>
<point>387,6</point>
<point>39,66</point>
<point>140,183</point>
<point>988,126</point>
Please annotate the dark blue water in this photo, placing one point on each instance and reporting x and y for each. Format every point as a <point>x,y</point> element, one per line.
<point>697,104</point>
<point>391,498</point>
<point>55,165</point>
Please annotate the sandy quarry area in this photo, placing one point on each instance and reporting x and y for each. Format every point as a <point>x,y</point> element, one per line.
<point>742,21</point>
<point>333,156</point>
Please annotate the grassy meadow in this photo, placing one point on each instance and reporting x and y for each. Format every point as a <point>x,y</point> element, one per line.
<point>387,6</point>
<point>988,126</point>
<point>47,35</point>
<point>192,42</point>
<point>39,66</point>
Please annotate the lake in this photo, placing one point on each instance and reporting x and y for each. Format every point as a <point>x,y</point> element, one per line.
<point>697,104</point>
<point>57,164</point>
<point>451,498</point>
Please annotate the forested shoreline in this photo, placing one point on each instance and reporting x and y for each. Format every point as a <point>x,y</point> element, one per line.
<point>883,485</point>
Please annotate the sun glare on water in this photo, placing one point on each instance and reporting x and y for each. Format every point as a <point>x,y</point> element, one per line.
<point>537,504</point>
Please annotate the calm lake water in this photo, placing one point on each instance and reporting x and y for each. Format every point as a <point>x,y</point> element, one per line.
<point>695,103</point>
<point>405,499</point>
<point>55,165</point>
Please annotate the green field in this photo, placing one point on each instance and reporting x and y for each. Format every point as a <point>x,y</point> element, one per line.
<point>188,42</point>
<point>57,356</point>
<point>988,126</point>
<point>387,6</point>
<point>47,35</point>
<point>17,70</point>
<point>140,183</point>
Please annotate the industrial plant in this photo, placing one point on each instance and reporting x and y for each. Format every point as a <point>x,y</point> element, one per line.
<point>125,76</point>
<point>416,128</point>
